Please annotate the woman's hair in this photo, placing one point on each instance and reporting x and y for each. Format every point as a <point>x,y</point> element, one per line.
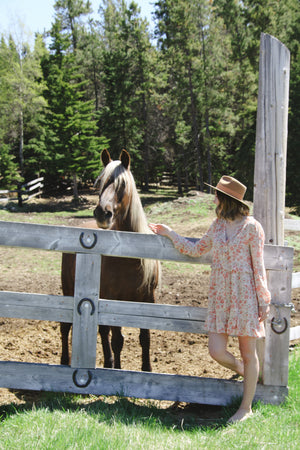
<point>229,208</point>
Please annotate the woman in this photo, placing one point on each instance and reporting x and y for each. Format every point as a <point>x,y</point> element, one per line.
<point>238,300</point>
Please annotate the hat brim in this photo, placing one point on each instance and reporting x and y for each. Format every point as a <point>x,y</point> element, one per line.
<point>223,192</point>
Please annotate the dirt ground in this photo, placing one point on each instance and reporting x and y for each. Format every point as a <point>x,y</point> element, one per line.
<point>174,353</point>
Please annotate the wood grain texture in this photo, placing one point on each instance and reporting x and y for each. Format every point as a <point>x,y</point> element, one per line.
<point>181,388</point>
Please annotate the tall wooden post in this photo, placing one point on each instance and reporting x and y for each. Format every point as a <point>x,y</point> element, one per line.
<point>271,138</point>
<point>269,198</point>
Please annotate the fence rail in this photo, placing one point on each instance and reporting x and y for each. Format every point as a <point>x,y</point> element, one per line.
<point>291,225</point>
<point>83,376</point>
<point>25,189</point>
<point>294,225</point>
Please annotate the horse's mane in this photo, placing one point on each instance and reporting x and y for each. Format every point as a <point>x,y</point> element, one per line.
<point>138,221</point>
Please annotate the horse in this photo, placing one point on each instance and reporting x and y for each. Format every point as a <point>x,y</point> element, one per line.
<point>119,208</point>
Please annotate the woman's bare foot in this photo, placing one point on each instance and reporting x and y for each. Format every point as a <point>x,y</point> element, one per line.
<point>240,415</point>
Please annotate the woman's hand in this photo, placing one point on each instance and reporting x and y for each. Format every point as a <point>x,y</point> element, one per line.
<point>159,228</point>
<point>263,312</point>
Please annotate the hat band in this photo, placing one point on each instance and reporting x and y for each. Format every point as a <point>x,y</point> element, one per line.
<point>226,190</point>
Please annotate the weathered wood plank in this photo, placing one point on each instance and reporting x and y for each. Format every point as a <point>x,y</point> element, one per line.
<point>152,316</point>
<point>107,242</point>
<point>85,312</point>
<point>115,243</point>
<point>181,388</point>
<point>276,362</point>
<point>152,323</point>
<point>278,257</point>
<point>292,225</point>
<point>295,280</point>
<point>152,309</point>
<point>280,285</point>
<point>30,183</point>
<point>294,333</point>
<point>21,305</point>
<point>271,138</point>
<point>111,312</point>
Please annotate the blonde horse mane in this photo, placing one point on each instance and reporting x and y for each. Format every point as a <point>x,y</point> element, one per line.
<point>138,220</point>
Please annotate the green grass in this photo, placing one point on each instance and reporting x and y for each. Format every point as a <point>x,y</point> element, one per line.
<point>38,261</point>
<point>55,217</point>
<point>63,421</point>
<point>293,240</point>
<point>188,210</point>
<point>185,268</point>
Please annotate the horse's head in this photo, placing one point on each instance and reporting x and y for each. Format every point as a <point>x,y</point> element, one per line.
<point>114,191</point>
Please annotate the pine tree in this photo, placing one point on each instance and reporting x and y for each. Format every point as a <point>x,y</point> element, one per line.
<point>22,106</point>
<point>128,78</point>
<point>182,35</point>
<point>72,126</point>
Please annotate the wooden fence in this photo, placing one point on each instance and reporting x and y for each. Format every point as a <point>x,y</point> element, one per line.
<point>29,190</point>
<point>86,311</point>
<point>294,225</point>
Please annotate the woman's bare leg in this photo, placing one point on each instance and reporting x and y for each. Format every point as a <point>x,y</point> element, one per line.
<point>251,369</point>
<point>217,346</point>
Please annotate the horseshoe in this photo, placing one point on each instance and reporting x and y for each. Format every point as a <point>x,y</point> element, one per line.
<point>89,246</point>
<point>278,323</point>
<point>86,300</point>
<point>83,385</point>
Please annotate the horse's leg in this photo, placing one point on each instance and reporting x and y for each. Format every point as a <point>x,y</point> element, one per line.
<point>64,330</point>
<point>145,343</point>
<point>107,353</point>
<point>117,342</point>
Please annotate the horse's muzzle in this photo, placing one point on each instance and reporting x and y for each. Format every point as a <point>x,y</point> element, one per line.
<point>103,217</point>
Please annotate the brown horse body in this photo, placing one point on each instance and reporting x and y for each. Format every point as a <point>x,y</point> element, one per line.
<point>119,208</point>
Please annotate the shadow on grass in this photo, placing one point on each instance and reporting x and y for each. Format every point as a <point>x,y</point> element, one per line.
<point>49,205</point>
<point>123,410</point>
<point>86,200</point>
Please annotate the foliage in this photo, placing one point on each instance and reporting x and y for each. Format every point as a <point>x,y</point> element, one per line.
<point>22,106</point>
<point>183,102</point>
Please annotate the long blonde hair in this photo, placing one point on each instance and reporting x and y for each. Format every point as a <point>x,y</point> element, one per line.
<point>123,177</point>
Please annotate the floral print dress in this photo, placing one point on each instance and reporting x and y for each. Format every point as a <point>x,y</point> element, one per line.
<point>238,283</point>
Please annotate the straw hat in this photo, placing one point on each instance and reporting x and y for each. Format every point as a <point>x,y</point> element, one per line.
<point>231,187</point>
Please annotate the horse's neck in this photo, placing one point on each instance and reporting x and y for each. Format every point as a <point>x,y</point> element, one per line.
<point>123,224</point>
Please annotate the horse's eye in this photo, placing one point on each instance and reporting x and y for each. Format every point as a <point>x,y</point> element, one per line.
<point>108,183</point>
<point>121,190</point>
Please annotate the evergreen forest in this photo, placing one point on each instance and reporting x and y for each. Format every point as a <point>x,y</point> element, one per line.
<point>181,98</point>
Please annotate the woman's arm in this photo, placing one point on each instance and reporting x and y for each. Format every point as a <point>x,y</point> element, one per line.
<point>182,244</point>
<point>257,239</point>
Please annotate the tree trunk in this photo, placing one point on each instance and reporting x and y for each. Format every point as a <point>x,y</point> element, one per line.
<point>195,131</point>
<point>21,157</point>
<point>75,189</point>
<point>146,146</point>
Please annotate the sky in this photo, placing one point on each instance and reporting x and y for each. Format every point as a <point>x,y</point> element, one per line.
<point>37,15</point>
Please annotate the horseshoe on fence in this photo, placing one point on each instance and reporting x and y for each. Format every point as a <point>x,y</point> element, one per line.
<point>88,239</point>
<point>86,300</point>
<point>81,385</point>
<point>278,323</point>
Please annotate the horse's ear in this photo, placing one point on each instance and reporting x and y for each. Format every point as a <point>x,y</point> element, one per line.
<point>105,157</point>
<point>125,158</point>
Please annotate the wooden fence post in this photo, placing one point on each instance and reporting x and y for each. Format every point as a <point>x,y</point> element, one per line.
<point>269,197</point>
<point>271,138</point>
<point>85,312</point>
